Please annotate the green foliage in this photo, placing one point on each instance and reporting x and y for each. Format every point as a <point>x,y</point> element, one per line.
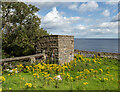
<point>20,28</point>
<point>71,79</point>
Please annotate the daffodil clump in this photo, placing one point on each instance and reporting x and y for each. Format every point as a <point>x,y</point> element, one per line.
<point>85,83</point>
<point>28,85</point>
<point>19,67</point>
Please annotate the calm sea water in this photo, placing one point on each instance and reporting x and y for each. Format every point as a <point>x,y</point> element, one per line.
<point>99,45</point>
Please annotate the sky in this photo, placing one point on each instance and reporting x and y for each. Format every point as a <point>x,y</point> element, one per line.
<point>80,19</point>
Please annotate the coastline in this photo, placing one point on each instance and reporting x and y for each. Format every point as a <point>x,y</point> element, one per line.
<point>100,54</point>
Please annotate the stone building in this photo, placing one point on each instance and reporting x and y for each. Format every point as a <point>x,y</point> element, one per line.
<point>59,48</point>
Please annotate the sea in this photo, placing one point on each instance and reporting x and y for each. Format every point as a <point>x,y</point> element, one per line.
<point>95,44</point>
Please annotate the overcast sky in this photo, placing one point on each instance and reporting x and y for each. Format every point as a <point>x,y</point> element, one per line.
<point>81,19</point>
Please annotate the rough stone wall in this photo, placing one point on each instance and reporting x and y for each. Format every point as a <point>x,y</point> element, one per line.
<point>49,46</point>
<point>66,48</point>
<point>59,48</point>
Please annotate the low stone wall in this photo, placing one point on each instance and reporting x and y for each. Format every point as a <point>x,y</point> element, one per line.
<point>31,58</point>
<point>101,54</point>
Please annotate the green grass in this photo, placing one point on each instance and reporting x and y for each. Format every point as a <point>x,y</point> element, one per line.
<point>109,67</point>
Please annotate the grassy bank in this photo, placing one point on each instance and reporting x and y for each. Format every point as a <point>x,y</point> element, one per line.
<point>80,74</point>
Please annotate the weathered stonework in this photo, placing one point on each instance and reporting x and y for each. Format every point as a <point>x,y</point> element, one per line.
<point>59,48</point>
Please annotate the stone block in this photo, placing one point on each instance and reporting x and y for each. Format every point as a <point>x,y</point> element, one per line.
<point>60,47</point>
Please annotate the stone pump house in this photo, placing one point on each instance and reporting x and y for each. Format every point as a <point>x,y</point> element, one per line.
<point>59,48</point>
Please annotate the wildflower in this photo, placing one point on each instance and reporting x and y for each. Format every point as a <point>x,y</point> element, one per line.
<point>0,89</point>
<point>43,67</point>
<point>83,59</point>
<point>62,73</point>
<point>33,69</point>
<point>20,65</point>
<point>94,61</point>
<point>91,70</point>
<point>78,60</point>
<point>86,70</point>
<point>99,62</point>
<point>34,86</point>
<point>71,78</point>
<point>105,78</point>
<point>35,75</point>
<point>8,74</point>
<point>12,73</point>
<point>94,56</point>
<point>88,60</point>
<point>107,74</point>
<point>101,70</point>
<point>65,67</point>
<point>68,75</point>
<point>77,77</point>
<point>111,75</point>
<point>22,78</point>
<point>3,78</point>
<point>29,85</point>
<point>81,72</point>
<point>85,77</point>
<point>90,64</point>
<point>10,88</point>
<point>51,79</point>
<point>85,83</point>
<point>28,68</point>
<point>95,71</point>
<point>98,57</point>
<point>65,63</point>
<point>14,70</point>
<point>107,68</point>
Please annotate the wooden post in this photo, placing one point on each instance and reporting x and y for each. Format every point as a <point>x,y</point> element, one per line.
<point>44,54</point>
<point>32,60</point>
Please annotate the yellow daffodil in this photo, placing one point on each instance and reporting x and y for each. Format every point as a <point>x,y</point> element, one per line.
<point>0,89</point>
<point>105,78</point>
<point>85,83</point>
<point>29,85</point>
<point>3,78</point>
<point>101,70</point>
<point>8,74</point>
<point>10,88</point>
<point>77,77</point>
